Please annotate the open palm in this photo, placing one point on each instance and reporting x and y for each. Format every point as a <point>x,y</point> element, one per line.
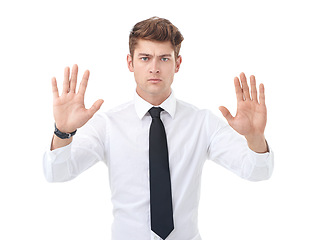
<point>69,108</point>
<point>251,116</point>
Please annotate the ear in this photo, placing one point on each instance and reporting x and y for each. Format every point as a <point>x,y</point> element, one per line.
<point>178,63</point>
<point>130,63</point>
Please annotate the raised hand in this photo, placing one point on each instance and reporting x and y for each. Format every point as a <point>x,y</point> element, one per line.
<point>251,116</point>
<point>69,108</point>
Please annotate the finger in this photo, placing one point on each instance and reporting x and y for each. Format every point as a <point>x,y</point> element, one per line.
<point>66,80</point>
<point>226,113</point>
<point>95,107</point>
<point>73,79</point>
<point>238,89</point>
<point>253,88</point>
<point>55,91</point>
<point>84,82</point>
<point>262,94</point>
<point>245,87</point>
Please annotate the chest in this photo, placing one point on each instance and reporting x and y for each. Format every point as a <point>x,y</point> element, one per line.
<point>129,144</point>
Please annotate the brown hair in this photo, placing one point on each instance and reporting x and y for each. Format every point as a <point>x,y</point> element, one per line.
<point>157,29</point>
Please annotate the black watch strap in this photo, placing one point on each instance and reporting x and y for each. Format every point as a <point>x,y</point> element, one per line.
<point>63,135</point>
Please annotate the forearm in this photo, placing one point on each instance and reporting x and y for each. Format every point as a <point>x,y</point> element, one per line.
<point>66,162</point>
<point>234,152</point>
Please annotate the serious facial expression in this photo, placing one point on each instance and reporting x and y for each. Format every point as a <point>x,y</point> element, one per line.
<point>154,66</point>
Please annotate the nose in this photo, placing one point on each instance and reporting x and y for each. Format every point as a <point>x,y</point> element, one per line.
<point>154,71</point>
<point>154,68</point>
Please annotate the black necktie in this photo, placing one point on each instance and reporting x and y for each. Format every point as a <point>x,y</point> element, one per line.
<point>160,183</point>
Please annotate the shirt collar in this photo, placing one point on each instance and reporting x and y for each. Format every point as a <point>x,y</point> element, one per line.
<point>142,106</point>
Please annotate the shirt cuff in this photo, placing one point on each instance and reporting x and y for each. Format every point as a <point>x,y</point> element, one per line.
<point>261,159</point>
<point>263,165</point>
<point>54,158</point>
<point>60,152</point>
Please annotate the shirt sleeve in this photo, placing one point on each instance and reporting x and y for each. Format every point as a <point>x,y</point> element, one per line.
<point>230,150</point>
<point>87,148</point>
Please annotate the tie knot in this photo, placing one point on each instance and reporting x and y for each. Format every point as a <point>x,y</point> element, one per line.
<point>155,112</point>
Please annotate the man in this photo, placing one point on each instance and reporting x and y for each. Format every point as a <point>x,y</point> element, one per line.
<point>155,146</point>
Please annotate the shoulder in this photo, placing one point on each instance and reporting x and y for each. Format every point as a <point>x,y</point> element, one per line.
<point>102,120</point>
<point>190,109</point>
<point>118,110</point>
<point>124,112</point>
<point>204,116</point>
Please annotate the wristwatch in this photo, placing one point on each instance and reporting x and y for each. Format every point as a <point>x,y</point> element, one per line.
<point>63,135</point>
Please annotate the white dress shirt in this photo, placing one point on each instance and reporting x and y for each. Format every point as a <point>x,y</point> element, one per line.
<point>120,138</point>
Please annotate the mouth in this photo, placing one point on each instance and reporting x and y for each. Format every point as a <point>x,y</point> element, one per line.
<point>154,80</point>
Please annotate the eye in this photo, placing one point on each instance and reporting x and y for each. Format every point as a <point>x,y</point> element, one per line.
<point>164,59</point>
<point>144,59</point>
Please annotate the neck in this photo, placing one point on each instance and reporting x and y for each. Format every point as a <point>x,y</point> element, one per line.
<point>154,99</point>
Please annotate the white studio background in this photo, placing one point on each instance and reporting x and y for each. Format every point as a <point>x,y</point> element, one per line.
<point>278,41</point>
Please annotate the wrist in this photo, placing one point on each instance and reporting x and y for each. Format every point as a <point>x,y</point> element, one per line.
<point>257,143</point>
<point>64,135</point>
<point>58,142</point>
<point>63,128</point>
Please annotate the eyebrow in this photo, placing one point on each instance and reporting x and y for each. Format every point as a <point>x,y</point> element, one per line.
<point>148,55</point>
<point>165,55</point>
<point>143,54</point>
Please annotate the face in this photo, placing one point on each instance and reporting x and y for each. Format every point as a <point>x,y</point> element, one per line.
<point>154,66</point>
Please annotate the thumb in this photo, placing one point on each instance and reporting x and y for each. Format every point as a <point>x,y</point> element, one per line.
<point>226,113</point>
<point>95,107</point>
